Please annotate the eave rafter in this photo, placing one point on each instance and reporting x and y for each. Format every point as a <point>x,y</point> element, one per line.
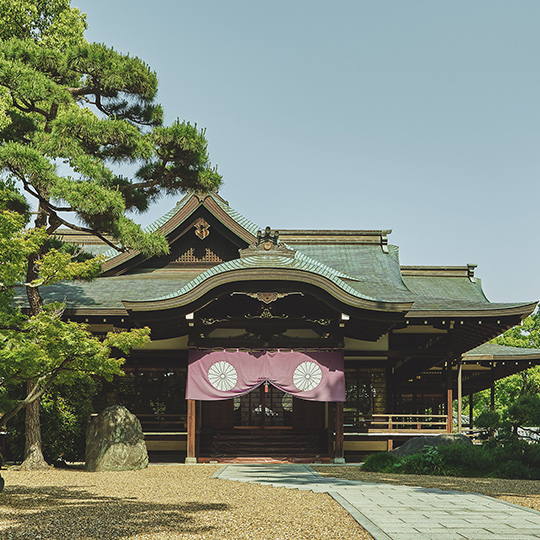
<point>464,333</point>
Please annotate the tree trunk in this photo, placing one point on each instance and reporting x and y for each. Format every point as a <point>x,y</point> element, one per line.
<point>33,456</point>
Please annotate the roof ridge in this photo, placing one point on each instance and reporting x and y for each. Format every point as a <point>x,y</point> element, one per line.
<point>234,214</point>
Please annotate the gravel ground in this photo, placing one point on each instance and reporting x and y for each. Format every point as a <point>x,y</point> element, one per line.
<point>163,502</point>
<point>523,492</point>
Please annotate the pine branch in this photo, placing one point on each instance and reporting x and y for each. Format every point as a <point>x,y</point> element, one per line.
<point>16,328</point>
<point>89,231</point>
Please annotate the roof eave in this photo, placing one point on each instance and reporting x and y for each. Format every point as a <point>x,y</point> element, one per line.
<point>522,310</point>
<point>267,275</point>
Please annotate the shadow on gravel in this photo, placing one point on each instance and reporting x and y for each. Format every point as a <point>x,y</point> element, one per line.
<point>494,487</point>
<point>51,513</point>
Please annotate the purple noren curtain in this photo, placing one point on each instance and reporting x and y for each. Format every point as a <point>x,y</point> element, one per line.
<point>216,375</point>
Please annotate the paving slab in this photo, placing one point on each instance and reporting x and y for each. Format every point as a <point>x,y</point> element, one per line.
<point>390,512</point>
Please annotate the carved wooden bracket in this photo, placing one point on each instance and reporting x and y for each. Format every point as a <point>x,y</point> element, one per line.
<point>266,313</point>
<point>267,297</point>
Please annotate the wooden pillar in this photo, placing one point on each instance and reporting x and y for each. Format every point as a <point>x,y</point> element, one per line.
<point>459,395</point>
<point>471,410</point>
<point>198,426</point>
<point>449,397</point>
<point>331,429</point>
<point>191,431</point>
<point>338,455</point>
<point>390,399</point>
<point>492,397</point>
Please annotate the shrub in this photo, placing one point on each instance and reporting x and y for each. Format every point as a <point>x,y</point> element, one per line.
<point>525,411</point>
<point>489,422</point>
<point>515,469</point>
<point>379,462</point>
<point>467,460</point>
<point>514,459</point>
<point>429,461</point>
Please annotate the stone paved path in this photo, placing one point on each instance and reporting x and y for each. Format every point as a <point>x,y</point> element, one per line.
<point>390,512</point>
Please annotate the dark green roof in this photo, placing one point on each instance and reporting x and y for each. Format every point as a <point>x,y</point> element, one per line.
<point>109,292</point>
<point>447,288</point>
<point>375,273</point>
<point>358,262</point>
<point>492,351</point>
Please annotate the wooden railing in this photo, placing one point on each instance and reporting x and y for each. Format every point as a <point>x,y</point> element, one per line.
<point>407,423</point>
<point>390,423</point>
<point>152,423</point>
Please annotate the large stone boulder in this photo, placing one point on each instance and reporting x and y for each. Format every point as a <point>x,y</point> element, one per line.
<point>115,441</point>
<point>415,444</point>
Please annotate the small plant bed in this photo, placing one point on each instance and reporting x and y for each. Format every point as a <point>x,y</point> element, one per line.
<point>519,460</point>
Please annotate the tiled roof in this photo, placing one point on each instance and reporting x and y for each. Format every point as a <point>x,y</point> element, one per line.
<point>494,351</point>
<point>360,266</point>
<point>447,287</point>
<point>109,292</point>
<point>155,225</point>
<point>239,218</point>
<point>109,253</point>
<point>299,262</point>
<point>375,273</point>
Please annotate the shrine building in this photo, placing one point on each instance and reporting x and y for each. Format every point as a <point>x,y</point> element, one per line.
<point>312,345</point>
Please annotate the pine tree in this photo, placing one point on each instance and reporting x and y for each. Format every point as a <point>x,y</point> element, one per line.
<point>71,114</point>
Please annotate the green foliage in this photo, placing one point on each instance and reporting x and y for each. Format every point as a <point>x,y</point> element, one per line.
<point>466,460</point>
<point>525,335</point>
<point>49,21</point>
<point>16,245</point>
<point>489,422</point>
<point>380,462</point>
<point>47,350</point>
<point>64,412</point>
<point>515,459</point>
<point>527,382</point>
<point>92,108</point>
<point>428,461</point>
<point>525,411</point>
<point>71,113</point>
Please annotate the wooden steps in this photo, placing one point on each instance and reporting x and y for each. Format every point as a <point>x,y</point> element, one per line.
<point>264,444</point>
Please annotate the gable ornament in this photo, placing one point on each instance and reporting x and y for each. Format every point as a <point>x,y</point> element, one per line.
<point>201,228</point>
<point>267,243</point>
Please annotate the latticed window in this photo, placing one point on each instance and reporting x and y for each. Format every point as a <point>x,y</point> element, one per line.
<point>155,396</point>
<point>193,251</point>
<point>365,395</point>
<point>264,406</point>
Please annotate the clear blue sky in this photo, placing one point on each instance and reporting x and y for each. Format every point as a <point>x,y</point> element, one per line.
<point>419,116</point>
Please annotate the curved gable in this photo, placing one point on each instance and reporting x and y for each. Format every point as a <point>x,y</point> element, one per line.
<point>201,230</point>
